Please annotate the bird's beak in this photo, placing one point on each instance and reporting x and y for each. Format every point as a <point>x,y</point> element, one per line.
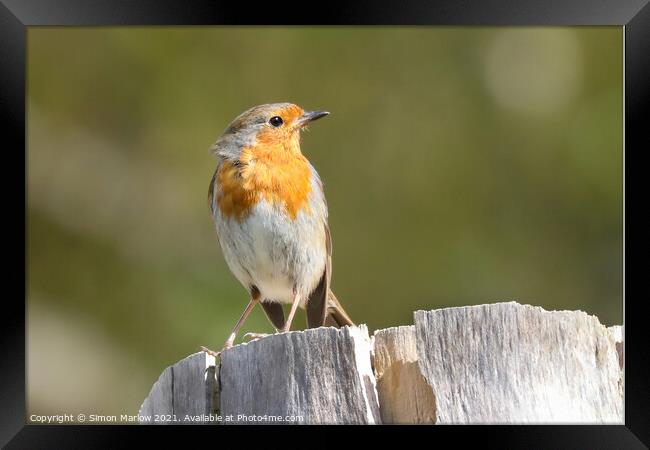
<point>310,116</point>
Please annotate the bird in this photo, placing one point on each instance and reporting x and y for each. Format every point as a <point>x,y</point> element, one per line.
<point>271,219</point>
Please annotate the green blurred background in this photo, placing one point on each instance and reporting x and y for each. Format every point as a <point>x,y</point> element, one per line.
<point>461,166</point>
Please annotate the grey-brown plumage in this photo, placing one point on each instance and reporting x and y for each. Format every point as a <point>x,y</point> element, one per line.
<point>270,213</point>
<point>323,308</point>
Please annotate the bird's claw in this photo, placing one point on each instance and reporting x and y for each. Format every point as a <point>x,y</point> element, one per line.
<point>250,337</point>
<point>212,352</point>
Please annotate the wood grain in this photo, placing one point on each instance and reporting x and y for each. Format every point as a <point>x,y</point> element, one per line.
<point>500,363</point>
<point>323,375</point>
<point>512,363</point>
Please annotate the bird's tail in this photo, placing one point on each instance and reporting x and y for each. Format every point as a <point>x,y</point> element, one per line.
<point>336,315</point>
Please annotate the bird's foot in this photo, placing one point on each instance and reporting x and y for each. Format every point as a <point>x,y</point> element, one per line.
<point>211,352</point>
<point>227,345</point>
<point>250,337</point>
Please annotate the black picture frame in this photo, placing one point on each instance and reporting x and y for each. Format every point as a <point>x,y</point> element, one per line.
<point>17,15</point>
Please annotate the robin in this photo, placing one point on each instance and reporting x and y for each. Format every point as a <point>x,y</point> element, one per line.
<point>270,212</point>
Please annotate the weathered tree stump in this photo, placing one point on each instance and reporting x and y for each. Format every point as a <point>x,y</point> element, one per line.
<point>497,363</point>
<point>511,363</point>
<point>405,397</point>
<point>185,393</point>
<point>321,376</point>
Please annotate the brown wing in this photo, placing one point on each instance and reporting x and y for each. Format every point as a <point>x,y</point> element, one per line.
<point>211,192</point>
<point>317,303</point>
<point>323,308</point>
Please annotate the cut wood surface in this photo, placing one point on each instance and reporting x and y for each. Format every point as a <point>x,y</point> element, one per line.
<point>185,393</point>
<point>512,363</point>
<point>323,375</point>
<point>496,363</point>
<point>405,397</point>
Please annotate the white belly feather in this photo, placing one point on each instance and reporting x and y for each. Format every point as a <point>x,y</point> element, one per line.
<point>271,251</point>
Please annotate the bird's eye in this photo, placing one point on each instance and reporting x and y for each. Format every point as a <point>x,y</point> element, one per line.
<point>276,121</point>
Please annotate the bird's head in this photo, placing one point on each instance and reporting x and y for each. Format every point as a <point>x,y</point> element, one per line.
<point>274,127</point>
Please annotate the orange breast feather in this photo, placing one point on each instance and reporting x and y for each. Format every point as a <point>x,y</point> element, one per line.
<point>278,176</point>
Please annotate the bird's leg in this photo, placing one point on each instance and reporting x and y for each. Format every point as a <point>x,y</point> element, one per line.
<point>287,325</point>
<point>274,313</point>
<point>255,297</point>
<point>294,307</point>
